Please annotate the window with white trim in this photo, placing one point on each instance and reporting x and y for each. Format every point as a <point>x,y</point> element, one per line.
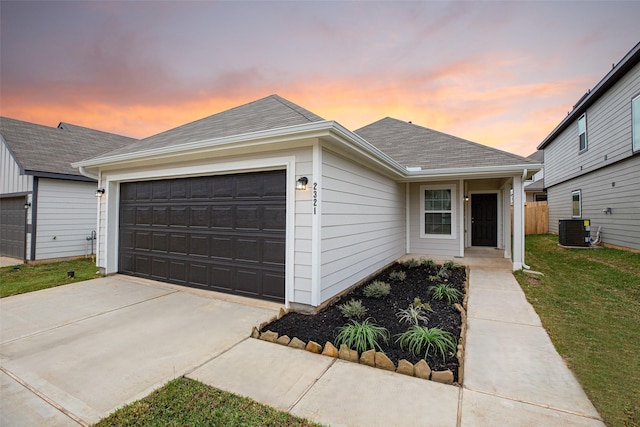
<point>635,122</point>
<point>576,204</point>
<point>582,131</point>
<point>438,209</point>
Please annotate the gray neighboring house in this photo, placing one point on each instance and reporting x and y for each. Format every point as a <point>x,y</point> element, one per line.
<point>48,209</point>
<point>592,158</point>
<point>534,186</point>
<point>269,200</point>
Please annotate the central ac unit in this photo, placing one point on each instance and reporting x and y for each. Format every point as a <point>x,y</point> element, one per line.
<point>574,232</point>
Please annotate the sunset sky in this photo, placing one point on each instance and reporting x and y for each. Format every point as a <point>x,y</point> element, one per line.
<point>499,73</point>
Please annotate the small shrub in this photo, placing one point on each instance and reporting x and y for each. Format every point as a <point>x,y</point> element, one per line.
<point>419,339</point>
<point>417,302</point>
<point>444,272</point>
<point>411,263</point>
<point>353,309</point>
<point>450,265</point>
<point>413,314</point>
<point>362,336</point>
<point>377,289</point>
<point>442,291</point>
<point>427,263</point>
<point>400,276</point>
<point>434,278</point>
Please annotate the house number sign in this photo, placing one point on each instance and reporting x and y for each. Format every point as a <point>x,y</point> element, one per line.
<point>315,197</point>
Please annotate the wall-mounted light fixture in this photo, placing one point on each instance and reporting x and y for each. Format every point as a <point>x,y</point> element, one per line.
<point>466,198</point>
<point>99,192</point>
<point>302,182</point>
<point>27,205</point>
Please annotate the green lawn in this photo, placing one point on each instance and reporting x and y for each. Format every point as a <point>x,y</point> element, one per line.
<point>589,302</point>
<point>33,277</point>
<point>185,402</point>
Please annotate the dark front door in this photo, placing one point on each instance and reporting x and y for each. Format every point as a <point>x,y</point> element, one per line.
<point>224,233</point>
<point>484,220</point>
<point>12,227</point>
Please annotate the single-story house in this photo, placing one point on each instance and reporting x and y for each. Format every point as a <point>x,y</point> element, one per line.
<point>271,201</point>
<point>592,160</point>
<point>47,208</point>
<point>534,187</point>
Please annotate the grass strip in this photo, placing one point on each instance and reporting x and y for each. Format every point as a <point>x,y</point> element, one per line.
<point>34,277</point>
<point>186,402</point>
<point>589,302</point>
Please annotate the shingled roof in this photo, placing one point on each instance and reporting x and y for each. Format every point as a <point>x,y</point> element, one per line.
<point>267,113</point>
<point>416,146</point>
<point>42,149</point>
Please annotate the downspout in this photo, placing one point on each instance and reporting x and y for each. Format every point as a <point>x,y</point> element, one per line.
<point>524,177</point>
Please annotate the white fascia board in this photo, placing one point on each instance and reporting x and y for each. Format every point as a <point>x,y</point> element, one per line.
<point>470,172</point>
<point>240,140</point>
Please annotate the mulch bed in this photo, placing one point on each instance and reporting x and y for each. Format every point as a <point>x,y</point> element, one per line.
<point>322,327</point>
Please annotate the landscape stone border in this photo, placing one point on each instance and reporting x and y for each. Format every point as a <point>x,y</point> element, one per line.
<point>375,358</point>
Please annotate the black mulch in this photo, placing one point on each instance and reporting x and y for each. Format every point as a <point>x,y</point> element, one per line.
<point>322,327</point>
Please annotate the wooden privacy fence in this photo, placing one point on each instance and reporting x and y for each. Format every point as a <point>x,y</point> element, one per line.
<point>536,218</point>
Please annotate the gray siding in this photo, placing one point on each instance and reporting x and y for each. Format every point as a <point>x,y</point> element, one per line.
<point>362,223</point>
<point>11,181</point>
<point>66,217</point>
<point>622,226</point>
<point>427,245</point>
<point>608,134</point>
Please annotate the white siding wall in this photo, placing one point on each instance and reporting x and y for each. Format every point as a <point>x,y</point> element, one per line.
<point>66,217</point>
<point>431,246</point>
<point>622,226</point>
<point>10,179</point>
<point>362,223</point>
<point>608,134</point>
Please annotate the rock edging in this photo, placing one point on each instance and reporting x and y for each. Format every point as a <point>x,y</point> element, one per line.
<point>371,358</point>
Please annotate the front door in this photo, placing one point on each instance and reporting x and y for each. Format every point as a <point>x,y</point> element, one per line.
<point>484,220</point>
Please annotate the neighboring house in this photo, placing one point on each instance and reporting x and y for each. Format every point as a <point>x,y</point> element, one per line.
<point>269,200</point>
<point>47,208</point>
<point>592,158</point>
<point>534,186</point>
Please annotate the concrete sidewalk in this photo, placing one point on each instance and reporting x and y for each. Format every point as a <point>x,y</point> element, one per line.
<point>71,355</point>
<point>513,375</point>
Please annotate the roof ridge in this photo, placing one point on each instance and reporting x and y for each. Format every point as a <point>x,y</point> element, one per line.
<point>299,110</point>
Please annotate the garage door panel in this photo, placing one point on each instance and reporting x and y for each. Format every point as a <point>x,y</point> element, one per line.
<point>178,271</point>
<point>274,251</point>
<point>178,244</point>
<point>199,245</point>
<point>247,250</point>
<point>160,216</point>
<point>222,247</point>
<point>143,240</point>
<point>179,217</point>
<point>159,269</point>
<point>198,274</point>
<point>225,233</point>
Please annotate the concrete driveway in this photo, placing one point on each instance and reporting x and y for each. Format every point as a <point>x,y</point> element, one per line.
<point>71,355</point>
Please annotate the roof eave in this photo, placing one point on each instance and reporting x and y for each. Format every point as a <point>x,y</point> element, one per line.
<point>526,169</point>
<point>629,61</point>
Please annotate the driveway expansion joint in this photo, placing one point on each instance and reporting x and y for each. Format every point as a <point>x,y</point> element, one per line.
<point>44,397</point>
<point>539,405</point>
<point>304,393</point>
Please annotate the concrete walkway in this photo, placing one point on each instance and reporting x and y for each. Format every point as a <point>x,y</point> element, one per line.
<point>513,375</point>
<point>71,355</point>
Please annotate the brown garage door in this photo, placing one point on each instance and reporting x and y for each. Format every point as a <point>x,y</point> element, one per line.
<point>225,233</point>
<point>12,227</point>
